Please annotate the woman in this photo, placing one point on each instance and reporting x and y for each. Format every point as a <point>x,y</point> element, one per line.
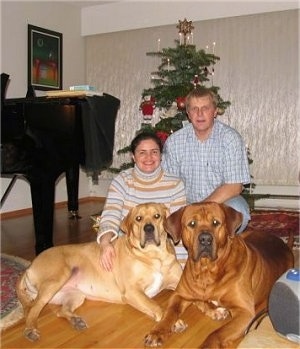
<point>145,182</point>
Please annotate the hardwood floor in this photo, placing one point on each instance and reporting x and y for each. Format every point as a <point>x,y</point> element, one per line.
<point>110,325</point>
<point>17,234</point>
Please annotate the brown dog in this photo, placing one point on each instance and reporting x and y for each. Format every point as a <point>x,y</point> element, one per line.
<point>145,264</point>
<point>226,275</point>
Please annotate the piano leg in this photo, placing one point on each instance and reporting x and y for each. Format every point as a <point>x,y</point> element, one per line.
<point>72,181</point>
<point>42,196</point>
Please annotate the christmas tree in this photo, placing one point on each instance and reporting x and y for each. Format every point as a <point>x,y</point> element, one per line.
<point>182,69</point>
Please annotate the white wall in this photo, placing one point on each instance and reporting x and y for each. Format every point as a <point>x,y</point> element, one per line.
<point>60,17</point>
<point>128,15</point>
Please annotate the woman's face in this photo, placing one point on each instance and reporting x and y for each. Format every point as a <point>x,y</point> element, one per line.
<point>147,156</point>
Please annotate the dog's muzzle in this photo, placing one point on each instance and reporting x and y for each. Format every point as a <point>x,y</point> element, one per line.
<point>149,235</point>
<point>206,245</point>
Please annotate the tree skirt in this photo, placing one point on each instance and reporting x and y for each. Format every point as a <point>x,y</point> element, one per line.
<point>280,223</point>
<point>11,309</point>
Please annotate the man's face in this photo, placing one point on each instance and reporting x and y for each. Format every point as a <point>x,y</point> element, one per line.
<point>202,112</point>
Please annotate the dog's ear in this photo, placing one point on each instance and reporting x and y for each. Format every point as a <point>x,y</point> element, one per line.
<point>125,224</point>
<point>172,225</point>
<point>165,210</point>
<point>233,219</point>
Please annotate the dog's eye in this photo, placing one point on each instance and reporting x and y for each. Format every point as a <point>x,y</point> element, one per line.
<point>157,215</point>
<point>216,223</point>
<point>138,218</point>
<point>192,224</point>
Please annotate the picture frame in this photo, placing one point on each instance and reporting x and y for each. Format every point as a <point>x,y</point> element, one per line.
<point>44,59</point>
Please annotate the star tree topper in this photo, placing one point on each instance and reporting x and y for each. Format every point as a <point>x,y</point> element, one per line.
<point>185,27</point>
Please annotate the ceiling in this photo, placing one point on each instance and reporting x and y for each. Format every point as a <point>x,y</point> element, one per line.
<point>82,4</point>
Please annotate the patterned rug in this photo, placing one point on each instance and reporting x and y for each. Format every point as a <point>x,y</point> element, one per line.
<point>280,223</point>
<point>11,310</point>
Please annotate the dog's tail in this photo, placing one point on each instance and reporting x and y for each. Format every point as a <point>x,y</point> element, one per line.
<point>290,241</point>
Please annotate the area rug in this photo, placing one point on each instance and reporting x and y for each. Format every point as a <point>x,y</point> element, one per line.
<point>11,309</point>
<point>280,223</point>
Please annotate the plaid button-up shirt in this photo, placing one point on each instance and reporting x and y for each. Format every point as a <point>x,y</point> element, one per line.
<point>204,166</point>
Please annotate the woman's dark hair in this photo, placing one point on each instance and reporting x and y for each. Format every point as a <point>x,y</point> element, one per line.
<point>144,136</point>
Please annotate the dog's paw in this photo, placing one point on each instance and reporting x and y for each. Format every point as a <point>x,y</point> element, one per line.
<point>179,326</point>
<point>78,323</point>
<point>32,334</point>
<point>158,315</point>
<point>153,340</point>
<point>219,313</point>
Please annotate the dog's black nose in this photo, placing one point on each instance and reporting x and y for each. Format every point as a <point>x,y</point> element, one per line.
<point>205,239</point>
<point>149,228</point>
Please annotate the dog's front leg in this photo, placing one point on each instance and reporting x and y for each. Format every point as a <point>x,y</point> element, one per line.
<point>140,301</point>
<point>231,333</point>
<point>169,323</point>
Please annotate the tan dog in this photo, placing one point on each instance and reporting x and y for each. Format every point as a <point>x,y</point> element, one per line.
<point>226,275</point>
<point>145,264</point>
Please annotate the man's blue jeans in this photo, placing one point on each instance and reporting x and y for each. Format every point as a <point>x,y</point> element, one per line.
<point>241,205</point>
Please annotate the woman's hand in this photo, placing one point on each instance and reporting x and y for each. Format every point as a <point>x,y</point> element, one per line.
<point>107,252</point>
<point>107,256</point>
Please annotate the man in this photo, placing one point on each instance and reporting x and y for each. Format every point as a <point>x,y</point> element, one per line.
<point>209,156</point>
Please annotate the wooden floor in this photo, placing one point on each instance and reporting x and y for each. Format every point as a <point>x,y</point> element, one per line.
<point>110,325</point>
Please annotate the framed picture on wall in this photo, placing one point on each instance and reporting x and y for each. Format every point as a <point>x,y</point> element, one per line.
<point>44,59</point>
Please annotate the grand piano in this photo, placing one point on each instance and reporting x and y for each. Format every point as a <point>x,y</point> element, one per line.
<point>44,137</point>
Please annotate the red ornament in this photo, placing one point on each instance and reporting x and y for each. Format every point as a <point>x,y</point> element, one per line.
<point>147,106</point>
<point>147,109</point>
<point>162,136</point>
<point>180,102</point>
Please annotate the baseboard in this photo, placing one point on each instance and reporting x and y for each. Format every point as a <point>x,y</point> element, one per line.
<point>281,197</point>
<point>62,204</point>
<point>290,204</point>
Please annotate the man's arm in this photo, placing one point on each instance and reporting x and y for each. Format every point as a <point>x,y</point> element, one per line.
<point>225,192</point>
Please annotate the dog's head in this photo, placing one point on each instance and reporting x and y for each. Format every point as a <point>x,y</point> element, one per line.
<point>144,224</point>
<point>205,228</point>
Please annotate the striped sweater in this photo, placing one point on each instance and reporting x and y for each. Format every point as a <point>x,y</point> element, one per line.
<point>132,187</point>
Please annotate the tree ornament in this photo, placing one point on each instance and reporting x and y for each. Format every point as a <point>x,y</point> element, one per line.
<point>196,81</point>
<point>220,111</point>
<point>171,112</point>
<point>147,107</point>
<point>180,103</point>
<point>162,135</point>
